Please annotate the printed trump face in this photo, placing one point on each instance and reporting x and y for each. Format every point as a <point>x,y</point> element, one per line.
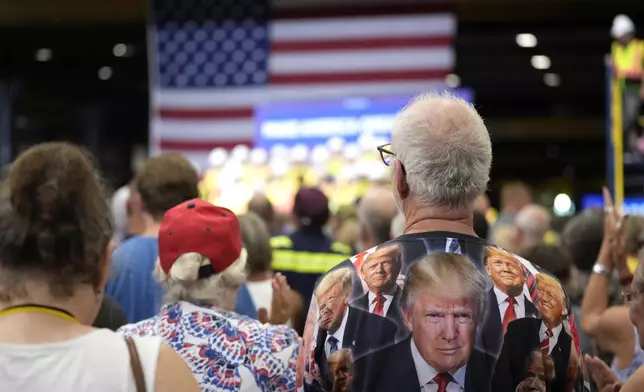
<point>505,271</point>
<point>443,330</point>
<point>332,304</point>
<point>381,269</point>
<point>550,300</point>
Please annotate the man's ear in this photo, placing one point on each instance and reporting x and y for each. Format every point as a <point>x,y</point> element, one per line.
<point>400,180</point>
<point>407,318</point>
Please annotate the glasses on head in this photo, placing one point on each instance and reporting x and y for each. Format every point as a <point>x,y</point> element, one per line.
<point>386,154</point>
<point>631,295</point>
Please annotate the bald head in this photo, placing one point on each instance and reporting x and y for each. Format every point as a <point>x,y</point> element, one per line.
<point>376,211</point>
<point>445,149</point>
<point>534,222</point>
<point>260,205</point>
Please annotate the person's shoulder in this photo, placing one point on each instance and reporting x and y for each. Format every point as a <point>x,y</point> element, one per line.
<point>142,328</point>
<point>133,246</point>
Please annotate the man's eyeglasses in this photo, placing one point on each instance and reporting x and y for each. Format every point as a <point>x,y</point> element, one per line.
<point>631,295</point>
<point>386,154</point>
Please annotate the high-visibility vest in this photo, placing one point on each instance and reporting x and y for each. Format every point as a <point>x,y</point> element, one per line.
<point>628,59</point>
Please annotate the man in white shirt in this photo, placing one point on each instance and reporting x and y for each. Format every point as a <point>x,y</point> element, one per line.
<point>506,300</point>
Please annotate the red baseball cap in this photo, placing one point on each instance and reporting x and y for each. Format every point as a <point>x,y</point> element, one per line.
<point>198,226</point>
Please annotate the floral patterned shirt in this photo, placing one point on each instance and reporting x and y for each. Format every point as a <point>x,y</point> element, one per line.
<point>225,351</point>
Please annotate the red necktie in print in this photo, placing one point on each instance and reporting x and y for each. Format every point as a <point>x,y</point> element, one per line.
<point>442,379</point>
<point>510,315</point>
<point>379,309</point>
<point>545,343</point>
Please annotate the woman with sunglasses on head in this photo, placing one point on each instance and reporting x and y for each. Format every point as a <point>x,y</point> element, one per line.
<point>55,247</point>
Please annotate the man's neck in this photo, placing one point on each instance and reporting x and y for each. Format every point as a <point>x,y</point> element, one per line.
<point>260,276</point>
<point>151,226</point>
<point>420,219</point>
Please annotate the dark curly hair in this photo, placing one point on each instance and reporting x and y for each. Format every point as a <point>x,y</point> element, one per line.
<point>55,221</point>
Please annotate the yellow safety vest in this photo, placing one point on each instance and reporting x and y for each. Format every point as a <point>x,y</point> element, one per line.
<point>287,259</point>
<point>628,59</point>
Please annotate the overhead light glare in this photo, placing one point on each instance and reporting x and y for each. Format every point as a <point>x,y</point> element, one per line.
<point>552,79</point>
<point>43,55</point>
<point>526,40</point>
<point>104,73</point>
<point>119,50</point>
<point>540,62</point>
<point>453,81</point>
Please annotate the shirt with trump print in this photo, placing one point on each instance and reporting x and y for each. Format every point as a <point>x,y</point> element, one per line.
<point>440,312</point>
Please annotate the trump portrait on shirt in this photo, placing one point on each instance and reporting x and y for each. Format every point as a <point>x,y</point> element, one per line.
<point>442,305</point>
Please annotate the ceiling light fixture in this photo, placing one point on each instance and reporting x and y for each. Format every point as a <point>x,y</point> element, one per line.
<point>119,50</point>
<point>540,62</point>
<point>526,40</point>
<point>453,81</point>
<point>552,79</point>
<point>104,73</point>
<point>43,55</point>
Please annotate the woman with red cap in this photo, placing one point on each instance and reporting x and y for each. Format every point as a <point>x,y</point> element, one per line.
<point>201,265</point>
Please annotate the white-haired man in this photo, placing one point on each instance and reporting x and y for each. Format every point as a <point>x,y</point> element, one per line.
<point>376,211</point>
<point>533,222</point>
<point>440,158</point>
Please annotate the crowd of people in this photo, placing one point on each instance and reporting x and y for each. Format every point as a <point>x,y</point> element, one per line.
<point>414,286</point>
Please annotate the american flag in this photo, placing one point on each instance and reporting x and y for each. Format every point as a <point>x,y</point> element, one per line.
<point>214,61</point>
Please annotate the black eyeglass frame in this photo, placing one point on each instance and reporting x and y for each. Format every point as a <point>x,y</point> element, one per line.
<point>384,151</point>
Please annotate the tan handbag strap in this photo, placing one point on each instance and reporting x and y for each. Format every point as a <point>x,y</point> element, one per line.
<point>135,363</point>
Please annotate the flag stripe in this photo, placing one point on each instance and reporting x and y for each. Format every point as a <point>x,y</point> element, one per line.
<point>366,27</point>
<point>201,145</point>
<point>345,77</point>
<point>208,113</point>
<point>225,129</point>
<point>205,99</point>
<point>362,44</point>
<point>349,61</point>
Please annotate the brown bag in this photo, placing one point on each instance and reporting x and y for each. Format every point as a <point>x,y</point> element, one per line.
<point>135,363</point>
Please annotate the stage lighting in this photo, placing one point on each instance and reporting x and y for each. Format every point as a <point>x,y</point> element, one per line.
<point>526,40</point>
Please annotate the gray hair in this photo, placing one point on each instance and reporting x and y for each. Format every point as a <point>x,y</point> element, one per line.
<point>445,274</point>
<point>182,283</point>
<point>341,275</point>
<point>534,221</point>
<point>445,149</point>
<point>257,241</point>
<point>376,211</point>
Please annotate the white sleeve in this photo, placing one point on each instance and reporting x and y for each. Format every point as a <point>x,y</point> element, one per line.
<point>148,348</point>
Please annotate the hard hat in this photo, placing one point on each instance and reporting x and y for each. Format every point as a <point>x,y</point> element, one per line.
<point>622,25</point>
